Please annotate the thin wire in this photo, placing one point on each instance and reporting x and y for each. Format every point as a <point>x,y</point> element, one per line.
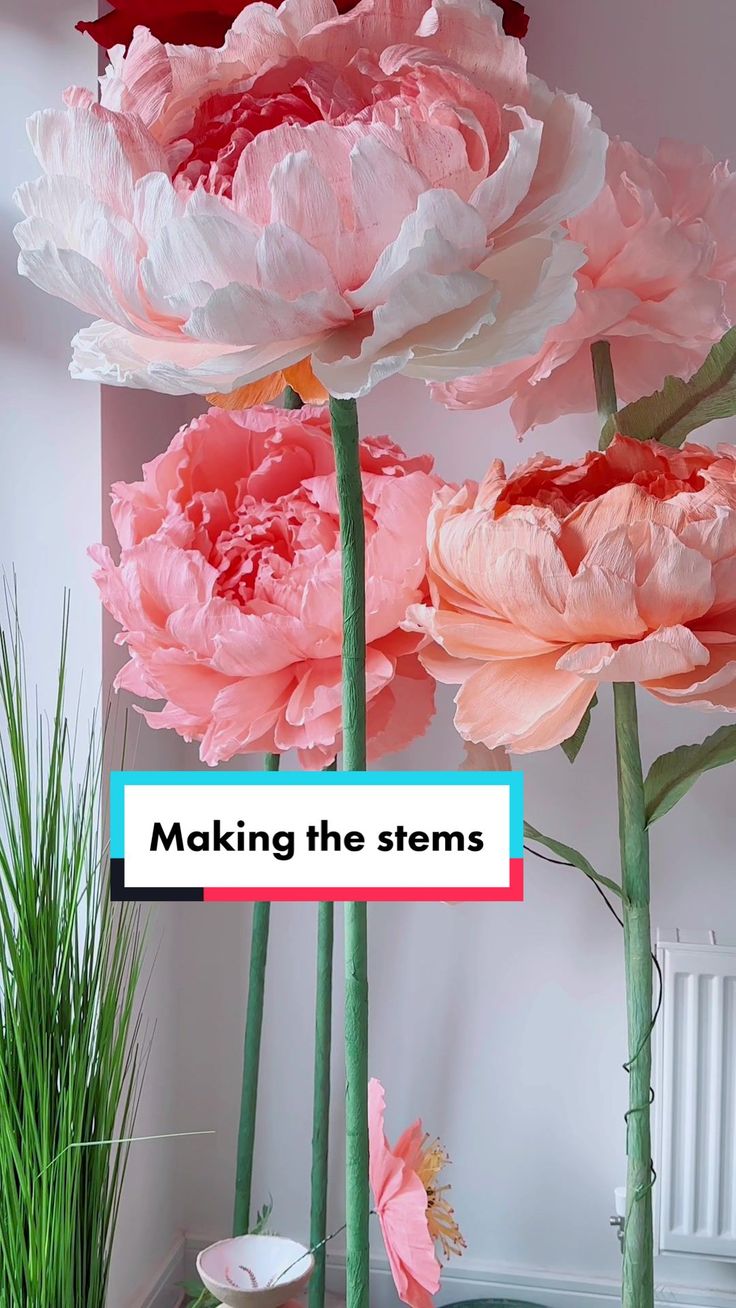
<point>313,1250</point>
<point>561,862</point>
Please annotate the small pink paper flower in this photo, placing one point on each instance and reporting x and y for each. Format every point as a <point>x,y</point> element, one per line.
<point>379,191</point>
<point>412,1209</point>
<point>659,285</point>
<point>561,577</point>
<point>228,586</point>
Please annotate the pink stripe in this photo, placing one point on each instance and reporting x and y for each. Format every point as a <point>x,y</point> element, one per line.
<point>514,892</point>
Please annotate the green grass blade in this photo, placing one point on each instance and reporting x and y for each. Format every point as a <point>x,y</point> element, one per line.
<point>70,1034</point>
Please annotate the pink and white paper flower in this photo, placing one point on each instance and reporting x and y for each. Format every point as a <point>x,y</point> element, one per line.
<point>380,191</point>
<point>659,284</point>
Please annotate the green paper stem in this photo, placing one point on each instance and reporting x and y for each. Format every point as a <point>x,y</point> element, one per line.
<point>638,1262</point>
<point>605,384</point>
<point>292,399</point>
<point>344,415</point>
<point>251,1061</point>
<point>357,1193</point>
<point>272,762</point>
<point>321,1109</point>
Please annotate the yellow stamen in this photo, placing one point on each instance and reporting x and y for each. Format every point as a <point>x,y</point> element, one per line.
<point>441,1220</point>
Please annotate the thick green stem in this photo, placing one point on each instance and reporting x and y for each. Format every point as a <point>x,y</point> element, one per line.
<point>344,416</point>
<point>638,1268</point>
<point>357,1193</point>
<point>605,383</point>
<point>345,438</point>
<point>252,1051</point>
<point>251,1060</point>
<point>321,1110</point>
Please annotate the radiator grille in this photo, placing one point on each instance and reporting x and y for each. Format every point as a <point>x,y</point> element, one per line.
<point>696,1090</point>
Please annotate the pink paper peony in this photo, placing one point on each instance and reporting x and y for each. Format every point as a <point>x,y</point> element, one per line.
<point>547,583</point>
<point>228,587</point>
<point>659,284</point>
<point>379,190</point>
<point>413,1210</point>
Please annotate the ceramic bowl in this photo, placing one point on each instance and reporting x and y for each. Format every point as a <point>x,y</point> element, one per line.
<point>255,1271</point>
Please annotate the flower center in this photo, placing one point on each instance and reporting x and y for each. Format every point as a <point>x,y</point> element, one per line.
<point>563,488</point>
<point>269,542</point>
<point>228,121</point>
<point>441,1221</point>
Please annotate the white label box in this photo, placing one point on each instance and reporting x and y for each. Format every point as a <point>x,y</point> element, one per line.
<point>336,836</point>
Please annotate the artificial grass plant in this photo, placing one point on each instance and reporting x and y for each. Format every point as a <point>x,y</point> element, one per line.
<point>70,962</point>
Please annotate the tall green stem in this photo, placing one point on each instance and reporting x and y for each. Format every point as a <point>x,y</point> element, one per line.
<point>252,1051</point>
<point>638,1269</point>
<point>344,414</point>
<point>345,438</point>
<point>251,1061</point>
<point>357,1194</point>
<point>321,1110</point>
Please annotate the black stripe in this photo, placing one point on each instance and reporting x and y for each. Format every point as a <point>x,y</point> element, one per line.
<point>120,893</point>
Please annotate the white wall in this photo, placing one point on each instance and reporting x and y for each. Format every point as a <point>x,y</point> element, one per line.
<point>50,435</point>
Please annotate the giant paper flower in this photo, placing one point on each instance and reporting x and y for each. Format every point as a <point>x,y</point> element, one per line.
<point>206,22</point>
<point>378,191</point>
<point>560,577</point>
<point>228,587</point>
<point>659,284</point>
<point>413,1210</point>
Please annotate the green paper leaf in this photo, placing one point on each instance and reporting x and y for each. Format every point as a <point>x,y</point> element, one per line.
<point>670,415</point>
<point>197,1297</point>
<point>672,775</point>
<point>263,1216</point>
<point>570,855</point>
<point>574,743</point>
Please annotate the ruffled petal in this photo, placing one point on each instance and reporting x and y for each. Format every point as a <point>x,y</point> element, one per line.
<point>524,704</point>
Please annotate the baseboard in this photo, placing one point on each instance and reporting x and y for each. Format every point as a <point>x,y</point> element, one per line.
<point>481,1280</point>
<point>472,1280</point>
<point>165,1289</point>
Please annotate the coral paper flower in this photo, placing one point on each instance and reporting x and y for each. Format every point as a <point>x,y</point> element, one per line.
<point>206,22</point>
<point>412,1209</point>
<point>659,284</point>
<point>547,583</point>
<point>379,191</point>
<point>228,587</point>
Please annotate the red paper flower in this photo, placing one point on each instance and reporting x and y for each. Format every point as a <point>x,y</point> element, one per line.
<point>515,18</point>
<point>179,22</point>
<point>205,22</point>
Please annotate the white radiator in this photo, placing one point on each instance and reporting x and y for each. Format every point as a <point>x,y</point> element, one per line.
<point>696,1098</point>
